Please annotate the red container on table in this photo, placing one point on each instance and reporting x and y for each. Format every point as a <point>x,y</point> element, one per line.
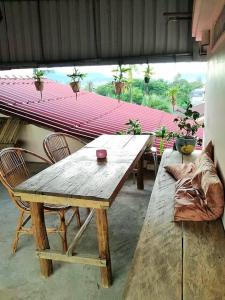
<point>101,154</point>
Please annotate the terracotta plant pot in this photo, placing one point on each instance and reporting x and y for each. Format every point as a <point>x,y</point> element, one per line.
<point>185,145</point>
<point>75,85</point>
<point>146,79</point>
<point>39,85</point>
<point>119,87</point>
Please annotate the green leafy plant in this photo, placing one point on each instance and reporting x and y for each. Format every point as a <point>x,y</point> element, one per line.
<point>77,75</point>
<point>133,127</point>
<point>120,74</point>
<point>187,125</point>
<point>38,74</point>
<point>162,133</point>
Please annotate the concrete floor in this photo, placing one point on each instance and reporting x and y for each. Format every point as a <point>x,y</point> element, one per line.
<point>20,274</point>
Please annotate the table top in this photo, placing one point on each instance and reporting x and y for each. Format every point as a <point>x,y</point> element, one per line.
<point>81,176</point>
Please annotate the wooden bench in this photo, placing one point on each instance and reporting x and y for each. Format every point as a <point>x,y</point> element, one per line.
<point>175,261</point>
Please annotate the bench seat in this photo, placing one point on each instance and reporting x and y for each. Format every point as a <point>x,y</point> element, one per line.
<point>175,261</point>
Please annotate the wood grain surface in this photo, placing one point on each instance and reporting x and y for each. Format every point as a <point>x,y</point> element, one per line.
<point>176,261</point>
<point>203,259</point>
<point>156,272</point>
<point>81,180</point>
<point>81,176</point>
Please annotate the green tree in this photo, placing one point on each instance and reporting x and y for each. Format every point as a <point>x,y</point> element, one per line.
<point>160,103</point>
<point>132,68</point>
<point>185,89</point>
<point>172,94</point>
<point>105,90</point>
<point>159,92</point>
<point>158,87</point>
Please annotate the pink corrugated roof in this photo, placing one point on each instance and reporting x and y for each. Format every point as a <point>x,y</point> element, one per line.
<point>89,116</point>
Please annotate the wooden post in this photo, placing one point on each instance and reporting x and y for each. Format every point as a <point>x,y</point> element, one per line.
<point>140,177</point>
<point>103,245</point>
<point>40,235</point>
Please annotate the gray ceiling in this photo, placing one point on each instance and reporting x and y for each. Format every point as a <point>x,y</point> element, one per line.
<point>85,32</point>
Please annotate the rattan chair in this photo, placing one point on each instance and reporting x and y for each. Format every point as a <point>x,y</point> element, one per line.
<point>13,171</point>
<point>56,146</point>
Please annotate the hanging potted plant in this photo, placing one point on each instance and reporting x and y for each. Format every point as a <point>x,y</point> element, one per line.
<point>76,78</point>
<point>119,79</point>
<point>148,74</point>
<point>188,126</point>
<point>38,76</point>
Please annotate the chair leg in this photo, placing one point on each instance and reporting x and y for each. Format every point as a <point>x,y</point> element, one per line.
<point>63,229</point>
<point>18,228</point>
<point>77,213</point>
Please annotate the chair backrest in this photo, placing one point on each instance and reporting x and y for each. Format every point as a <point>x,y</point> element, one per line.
<point>14,170</point>
<point>56,146</point>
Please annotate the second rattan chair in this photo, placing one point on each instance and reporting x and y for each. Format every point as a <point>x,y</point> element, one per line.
<point>56,146</point>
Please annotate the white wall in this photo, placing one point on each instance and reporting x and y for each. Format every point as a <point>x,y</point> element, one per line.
<point>32,138</point>
<point>215,106</point>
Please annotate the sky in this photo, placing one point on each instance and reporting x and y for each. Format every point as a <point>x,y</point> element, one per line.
<point>167,71</point>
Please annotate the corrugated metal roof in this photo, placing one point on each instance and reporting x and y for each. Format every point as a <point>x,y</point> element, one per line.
<point>84,32</point>
<point>89,116</point>
<point>200,108</point>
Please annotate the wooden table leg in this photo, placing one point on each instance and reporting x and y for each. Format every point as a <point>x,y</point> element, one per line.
<point>40,236</point>
<point>140,174</point>
<point>103,245</point>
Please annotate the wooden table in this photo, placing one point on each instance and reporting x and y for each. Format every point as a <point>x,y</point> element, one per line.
<point>80,180</point>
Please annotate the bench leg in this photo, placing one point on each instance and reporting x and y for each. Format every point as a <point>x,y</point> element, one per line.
<point>40,236</point>
<point>156,166</point>
<point>103,245</point>
<point>140,174</point>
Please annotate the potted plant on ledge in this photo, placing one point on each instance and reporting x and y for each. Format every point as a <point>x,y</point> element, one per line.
<point>188,126</point>
<point>76,78</point>
<point>134,127</point>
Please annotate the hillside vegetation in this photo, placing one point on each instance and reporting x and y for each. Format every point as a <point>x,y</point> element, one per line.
<point>155,94</point>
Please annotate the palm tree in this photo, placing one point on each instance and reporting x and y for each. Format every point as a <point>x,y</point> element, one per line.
<point>132,68</point>
<point>172,93</point>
